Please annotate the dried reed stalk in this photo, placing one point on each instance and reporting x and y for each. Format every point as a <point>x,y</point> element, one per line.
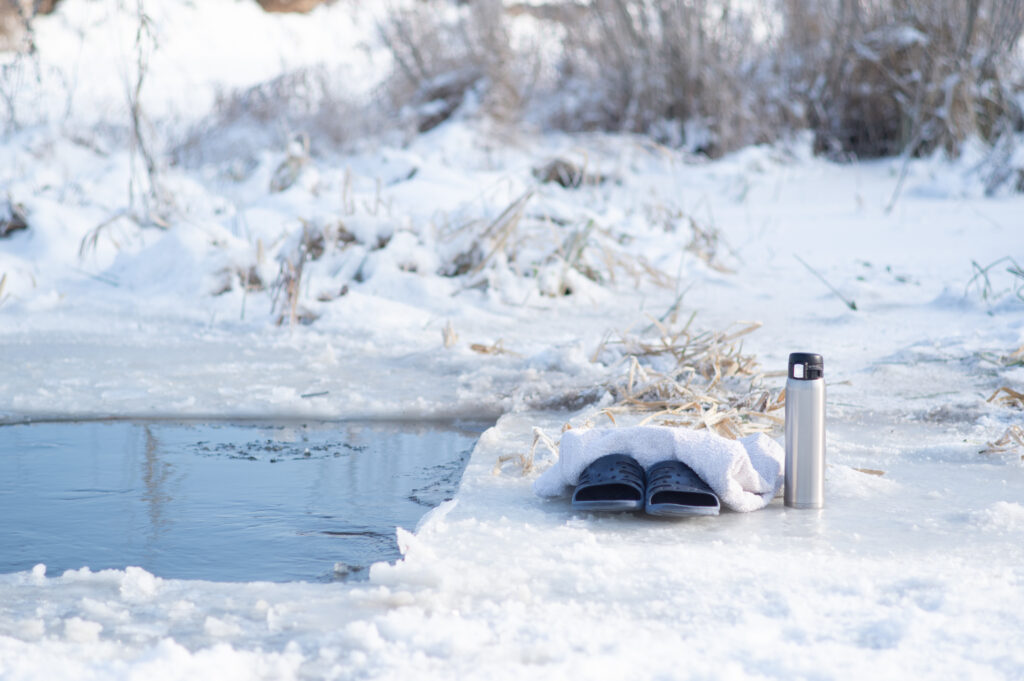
<point>1008,397</point>
<point>1012,439</point>
<point>525,461</point>
<point>499,232</point>
<point>682,378</point>
<point>709,382</point>
<point>497,348</point>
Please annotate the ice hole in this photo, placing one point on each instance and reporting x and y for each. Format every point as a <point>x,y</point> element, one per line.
<point>222,501</point>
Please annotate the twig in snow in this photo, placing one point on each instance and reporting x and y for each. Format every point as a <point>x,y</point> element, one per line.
<point>1007,396</point>
<point>149,202</point>
<point>497,348</point>
<point>307,396</point>
<point>500,231</point>
<point>1013,438</point>
<point>102,278</point>
<point>849,303</point>
<point>91,239</point>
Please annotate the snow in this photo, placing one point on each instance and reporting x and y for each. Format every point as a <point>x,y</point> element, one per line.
<point>916,572</point>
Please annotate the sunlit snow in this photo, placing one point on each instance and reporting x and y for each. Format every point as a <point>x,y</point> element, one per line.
<point>915,568</point>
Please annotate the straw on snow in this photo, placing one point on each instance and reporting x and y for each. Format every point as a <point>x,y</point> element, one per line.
<point>711,383</point>
<point>1012,439</point>
<point>1008,397</point>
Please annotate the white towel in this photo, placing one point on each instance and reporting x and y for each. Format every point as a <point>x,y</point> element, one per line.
<point>746,474</point>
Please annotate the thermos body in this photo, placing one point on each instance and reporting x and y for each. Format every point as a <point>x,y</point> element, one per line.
<point>805,432</point>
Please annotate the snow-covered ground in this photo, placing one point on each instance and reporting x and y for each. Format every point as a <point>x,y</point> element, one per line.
<point>917,572</point>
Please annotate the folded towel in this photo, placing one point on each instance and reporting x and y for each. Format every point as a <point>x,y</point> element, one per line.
<point>746,474</point>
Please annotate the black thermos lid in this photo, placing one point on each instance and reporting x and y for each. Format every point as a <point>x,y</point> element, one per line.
<point>812,363</point>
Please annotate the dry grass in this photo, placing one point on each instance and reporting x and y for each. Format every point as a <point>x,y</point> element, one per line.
<point>310,102</point>
<point>990,282</point>
<point>1012,439</point>
<point>287,288</point>
<point>90,242</point>
<point>248,278</point>
<point>685,71</point>
<point>500,232</point>
<point>695,379</point>
<point>556,253</point>
<point>707,244</point>
<point>870,77</point>
<point>150,201</point>
<point>884,78</point>
<point>288,171</point>
<point>1008,397</point>
<point>682,378</point>
<point>495,348</point>
<point>524,462</point>
<point>444,52</point>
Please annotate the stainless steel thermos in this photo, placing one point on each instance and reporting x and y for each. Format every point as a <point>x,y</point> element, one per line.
<point>805,431</point>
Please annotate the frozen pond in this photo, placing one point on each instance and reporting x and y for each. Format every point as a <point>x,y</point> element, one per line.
<point>221,501</point>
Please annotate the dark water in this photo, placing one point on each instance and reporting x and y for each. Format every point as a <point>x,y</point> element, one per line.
<point>222,501</point>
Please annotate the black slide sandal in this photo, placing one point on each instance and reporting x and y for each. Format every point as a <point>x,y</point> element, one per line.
<point>674,490</point>
<point>615,482</point>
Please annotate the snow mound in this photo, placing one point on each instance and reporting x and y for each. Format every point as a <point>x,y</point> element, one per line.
<point>1002,517</point>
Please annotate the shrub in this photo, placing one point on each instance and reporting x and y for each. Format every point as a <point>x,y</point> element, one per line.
<point>906,75</point>
<point>869,77</point>
<point>689,72</point>
<point>310,101</point>
<point>444,53</point>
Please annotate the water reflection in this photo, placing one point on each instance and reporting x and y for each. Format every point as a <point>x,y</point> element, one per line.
<point>155,476</point>
<point>221,501</point>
